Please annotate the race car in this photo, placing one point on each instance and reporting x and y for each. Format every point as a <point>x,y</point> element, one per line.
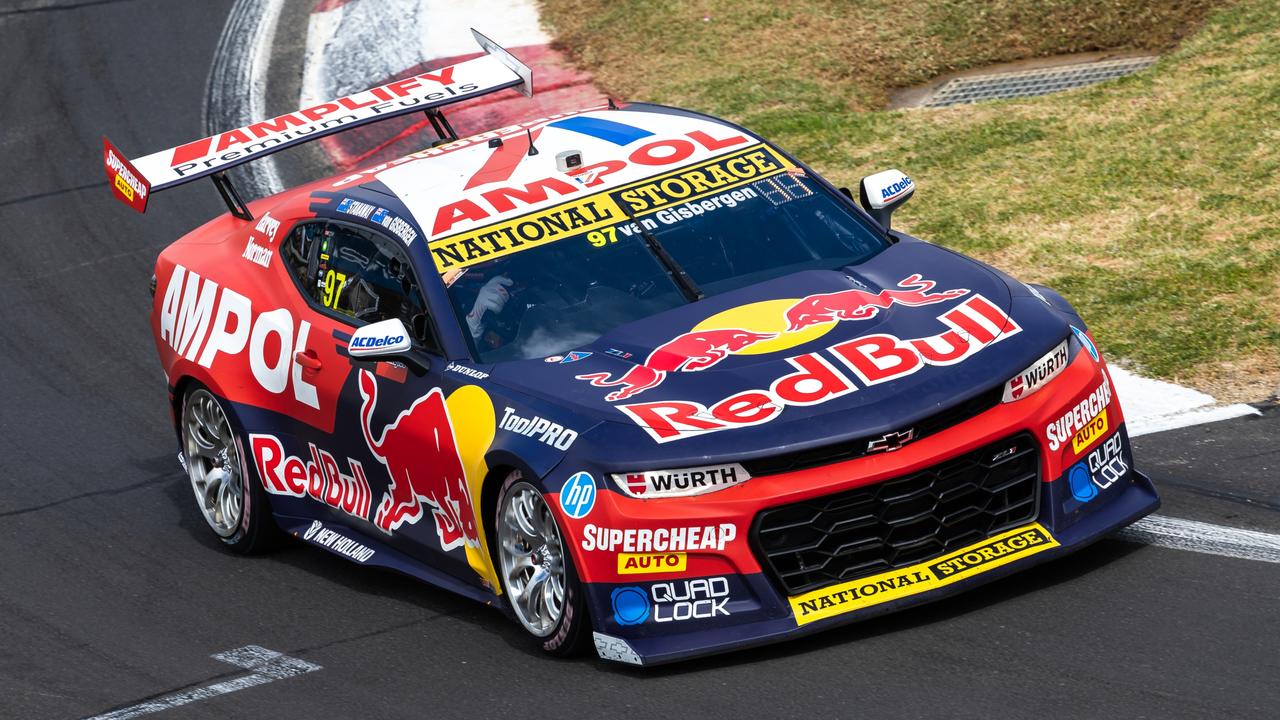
<point>634,374</point>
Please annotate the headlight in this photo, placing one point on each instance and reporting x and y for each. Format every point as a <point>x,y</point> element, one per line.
<point>1038,374</point>
<point>681,482</point>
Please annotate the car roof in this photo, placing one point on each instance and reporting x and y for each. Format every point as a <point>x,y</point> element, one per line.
<point>479,181</point>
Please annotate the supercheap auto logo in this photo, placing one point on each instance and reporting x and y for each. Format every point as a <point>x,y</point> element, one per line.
<point>962,564</point>
<point>1084,423</point>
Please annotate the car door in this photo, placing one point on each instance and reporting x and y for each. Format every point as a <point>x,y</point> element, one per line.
<point>300,368</point>
<point>405,433</point>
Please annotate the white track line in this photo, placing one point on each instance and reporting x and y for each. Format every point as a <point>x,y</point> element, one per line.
<point>1204,538</point>
<point>266,666</point>
<point>1155,406</point>
<point>364,42</point>
<point>240,64</point>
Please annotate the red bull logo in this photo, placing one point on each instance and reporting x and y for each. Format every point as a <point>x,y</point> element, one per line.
<point>421,456</point>
<point>856,304</point>
<point>869,360</point>
<point>802,321</point>
<point>690,352</point>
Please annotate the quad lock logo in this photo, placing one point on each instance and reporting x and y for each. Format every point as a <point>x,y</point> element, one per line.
<point>1099,471</point>
<point>696,599</point>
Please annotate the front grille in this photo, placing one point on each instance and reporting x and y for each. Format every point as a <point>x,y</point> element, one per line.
<point>856,448</point>
<point>903,521</point>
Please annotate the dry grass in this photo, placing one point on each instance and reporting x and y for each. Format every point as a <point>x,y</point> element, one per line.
<point>837,54</point>
<point>1151,202</point>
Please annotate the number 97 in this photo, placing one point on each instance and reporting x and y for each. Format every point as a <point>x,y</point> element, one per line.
<point>602,237</point>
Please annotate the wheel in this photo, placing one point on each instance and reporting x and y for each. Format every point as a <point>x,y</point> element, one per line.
<point>538,575</point>
<point>232,503</point>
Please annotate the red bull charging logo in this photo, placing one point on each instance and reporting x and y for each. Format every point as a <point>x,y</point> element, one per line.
<point>805,319</point>
<point>912,291</point>
<point>421,456</point>
<point>690,352</point>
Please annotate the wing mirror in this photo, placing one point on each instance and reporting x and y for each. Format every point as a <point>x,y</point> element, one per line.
<point>385,340</point>
<point>883,192</point>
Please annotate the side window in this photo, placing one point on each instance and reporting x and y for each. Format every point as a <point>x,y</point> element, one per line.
<point>297,251</point>
<point>366,278</point>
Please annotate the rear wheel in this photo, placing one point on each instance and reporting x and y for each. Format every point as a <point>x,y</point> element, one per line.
<point>234,507</point>
<point>537,569</point>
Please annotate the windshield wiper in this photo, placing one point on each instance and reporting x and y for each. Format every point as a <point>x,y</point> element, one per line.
<point>687,286</point>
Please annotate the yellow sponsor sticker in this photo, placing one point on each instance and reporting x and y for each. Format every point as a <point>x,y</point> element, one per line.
<point>600,211</point>
<point>697,181</point>
<point>1090,433</point>
<point>962,564</point>
<point>646,563</point>
<point>124,187</point>
<point>525,232</point>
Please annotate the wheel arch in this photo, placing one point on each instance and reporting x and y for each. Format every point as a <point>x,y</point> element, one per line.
<point>500,465</point>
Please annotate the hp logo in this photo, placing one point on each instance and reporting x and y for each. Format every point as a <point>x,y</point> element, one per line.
<point>578,495</point>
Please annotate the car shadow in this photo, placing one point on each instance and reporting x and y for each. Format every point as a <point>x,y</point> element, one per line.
<point>1041,577</point>
<point>497,623</point>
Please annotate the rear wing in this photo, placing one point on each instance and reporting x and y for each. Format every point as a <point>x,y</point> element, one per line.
<point>132,182</point>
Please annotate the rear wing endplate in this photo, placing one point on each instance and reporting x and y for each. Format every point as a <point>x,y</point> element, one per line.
<point>132,182</point>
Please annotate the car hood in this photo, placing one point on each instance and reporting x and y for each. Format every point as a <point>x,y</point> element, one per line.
<point>684,362</point>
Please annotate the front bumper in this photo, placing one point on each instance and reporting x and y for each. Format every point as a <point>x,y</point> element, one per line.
<point>1137,501</point>
<point>674,579</point>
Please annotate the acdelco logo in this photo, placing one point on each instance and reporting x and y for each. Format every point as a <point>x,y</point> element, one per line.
<point>375,342</point>
<point>891,192</point>
<point>197,314</point>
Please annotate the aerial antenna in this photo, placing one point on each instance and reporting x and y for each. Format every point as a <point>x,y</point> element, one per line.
<point>532,150</point>
<point>612,104</point>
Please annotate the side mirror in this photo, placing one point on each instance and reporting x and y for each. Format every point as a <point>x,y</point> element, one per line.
<point>385,340</point>
<point>882,193</point>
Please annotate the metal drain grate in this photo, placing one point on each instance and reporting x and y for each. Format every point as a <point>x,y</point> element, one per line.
<point>1033,82</point>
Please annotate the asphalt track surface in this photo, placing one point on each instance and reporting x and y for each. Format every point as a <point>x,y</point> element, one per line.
<point>113,591</point>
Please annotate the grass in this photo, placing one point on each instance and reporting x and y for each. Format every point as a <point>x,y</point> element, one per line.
<point>1150,202</point>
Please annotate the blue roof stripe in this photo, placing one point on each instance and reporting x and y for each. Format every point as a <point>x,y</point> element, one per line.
<point>607,130</point>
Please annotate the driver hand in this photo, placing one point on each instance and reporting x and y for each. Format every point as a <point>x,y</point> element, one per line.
<point>492,297</point>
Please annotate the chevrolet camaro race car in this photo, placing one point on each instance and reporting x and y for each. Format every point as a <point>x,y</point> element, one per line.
<point>632,373</point>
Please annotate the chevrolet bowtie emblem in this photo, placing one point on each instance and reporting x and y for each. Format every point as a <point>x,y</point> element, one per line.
<point>891,441</point>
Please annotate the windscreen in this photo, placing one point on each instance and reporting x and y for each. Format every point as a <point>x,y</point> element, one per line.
<point>561,295</point>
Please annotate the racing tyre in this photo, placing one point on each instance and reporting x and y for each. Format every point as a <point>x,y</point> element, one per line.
<point>234,505</point>
<point>538,575</point>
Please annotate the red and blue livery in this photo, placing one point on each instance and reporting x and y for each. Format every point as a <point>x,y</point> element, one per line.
<point>632,373</point>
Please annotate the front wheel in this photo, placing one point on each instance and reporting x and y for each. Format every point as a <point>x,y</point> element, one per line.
<point>232,504</point>
<point>538,575</point>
